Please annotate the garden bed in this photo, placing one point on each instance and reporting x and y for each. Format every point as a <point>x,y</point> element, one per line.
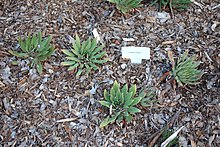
<point>58,108</point>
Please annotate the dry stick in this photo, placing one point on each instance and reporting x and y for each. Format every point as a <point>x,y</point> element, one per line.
<point>159,133</point>
<point>171,9</point>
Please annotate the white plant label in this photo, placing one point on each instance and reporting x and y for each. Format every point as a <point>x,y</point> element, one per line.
<point>96,34</point>
<point>136,54</point>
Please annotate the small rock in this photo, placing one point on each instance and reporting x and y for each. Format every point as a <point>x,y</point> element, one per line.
<point>182,141</point>
<point>163,16</point>
<point>123,66</point>
<point>50,71</point>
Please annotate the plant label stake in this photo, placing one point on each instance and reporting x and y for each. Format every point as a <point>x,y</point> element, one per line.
<point>136,54</point>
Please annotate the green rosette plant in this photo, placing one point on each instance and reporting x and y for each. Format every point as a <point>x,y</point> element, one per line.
<point>121,103</point>
<point>36,49</point>
<point>84,56</point>
<point>177,4</point>
<point>185,70</point>
<point>126,5</point>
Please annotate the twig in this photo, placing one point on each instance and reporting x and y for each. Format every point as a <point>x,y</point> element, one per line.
<point>66,120</point>
<point>171,9</point>
<point>160,132</point>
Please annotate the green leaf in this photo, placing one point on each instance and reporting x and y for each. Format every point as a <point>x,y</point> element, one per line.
<point>22,44</point>
<point>128,102</point>
<point>133,110</point>
<point>77,43</point>
<point>93,45</point>
<point>27,44</point>
<point>76,52</point>
<point>93,66</point>
<point>100,55</point>
<point>67,53</point>
<point>96,50</point>
<point>88,45</point>
<point>146,102</point>
<point>73,59</point>
<point>67,63</point>
<point>88,69</point>
<point>128,97</point>
<point>105,103</point>
<point>119,119</point>
<point>125,89</point>
<point>133,89</point>
<point>14,62</point>
<point>142,94</point>
<point>112,94</point>
<point>42,53</point>
<point>99,61</point>
<point>39,68</point>
<point>105,122</point>
<point>73,67</point>
<point>128,118</point>
<point>106,95</point>
<point>79,72</point>
<point>42,58</point>
<point>112,119</point>
<point>22,55</point>
<point>136,101</point>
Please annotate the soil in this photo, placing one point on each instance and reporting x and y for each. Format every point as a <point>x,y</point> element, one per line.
<point>57,108</point>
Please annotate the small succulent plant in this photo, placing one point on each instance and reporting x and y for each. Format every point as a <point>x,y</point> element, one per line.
<point>185,70</point>
<point>84,56</point>
<point>36,48</point>
<point>166,134</point>
<point>121,103</point>
<point>126,5</point>
<point>177,4</point>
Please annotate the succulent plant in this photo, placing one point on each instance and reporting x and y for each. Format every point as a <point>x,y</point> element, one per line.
<point>185,70</point>
<point>126,5</point>
<point>36,48</point>
<point>121,103</point>
<point>178,4</point>
<point>84,56</point>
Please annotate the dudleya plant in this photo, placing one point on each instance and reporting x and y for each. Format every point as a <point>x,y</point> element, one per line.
<point>126,5</point>
<point>185,70</point>
<point>36,49</point>
<point>121,103</point>
<point>178,4</point>
<point>84,56</point>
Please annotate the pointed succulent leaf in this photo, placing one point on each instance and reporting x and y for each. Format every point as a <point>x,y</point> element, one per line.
<point>146,102</point>
<point>128,102</point>
<point>133,89</point>
<point>78,43</point>
<point>105,122</point>
<point>128,96</point>
<point>73,59</point>
<point>128,118</point>
<point>100,55</point>
<point>106,95</point>
<point>136,101</point>
<point>93,66</point>
<point>22,55</point>
<point>99,61</point>
<point>39,68</point>
<point>68,63</point>
<point>73,67</point>
<point>67,53</point>
<point>125,89</point>
<point>79,72</point>
<point>133,110</point>
<point>93,45</point>
<point>88,45</point>
<point>105,103</point>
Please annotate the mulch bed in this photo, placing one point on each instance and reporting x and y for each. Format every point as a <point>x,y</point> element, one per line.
<point>57,108</point>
